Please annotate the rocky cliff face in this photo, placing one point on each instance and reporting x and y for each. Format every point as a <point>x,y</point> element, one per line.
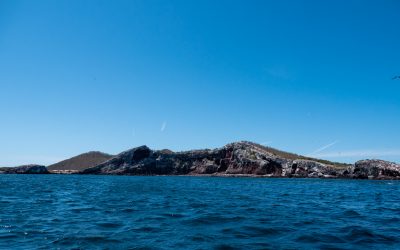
<point>235,159</point>
<point>26,169</point>
<point>239,159</point>
<point>376,169</point>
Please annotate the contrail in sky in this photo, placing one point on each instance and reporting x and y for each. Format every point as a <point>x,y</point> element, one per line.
<point>163,126</point>
<point>324,147</point>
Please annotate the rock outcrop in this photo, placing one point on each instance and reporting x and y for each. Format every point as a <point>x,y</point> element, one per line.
<point>239,159</point>
<point>26,169</point>
<point>235,159</point>
<point>376,169</point>
<point>308,168</point>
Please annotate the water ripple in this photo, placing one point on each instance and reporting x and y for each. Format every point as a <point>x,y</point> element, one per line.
<point>120,212</point>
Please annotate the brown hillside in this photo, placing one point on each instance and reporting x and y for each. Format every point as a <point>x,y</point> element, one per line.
<point>81,162</point>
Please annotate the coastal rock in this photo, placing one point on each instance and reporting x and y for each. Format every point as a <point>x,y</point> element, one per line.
<point>308,168</point>
<point>248,159</point>
<point>122,161</point>
<point>234,159</point>
<point>241,158</point>
<point>25,169</point>
<point>376,169</point>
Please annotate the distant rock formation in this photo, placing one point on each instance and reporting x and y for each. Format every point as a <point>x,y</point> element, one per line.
<point>376,169</point>
<point>235,159</point>
<point>239,159</point>
<point>25,169</point>
<point>80,162</point>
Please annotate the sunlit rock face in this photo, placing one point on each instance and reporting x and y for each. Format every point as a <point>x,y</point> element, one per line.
<point>238,159</point>
<point>241,158</point>
<point>307,168</point>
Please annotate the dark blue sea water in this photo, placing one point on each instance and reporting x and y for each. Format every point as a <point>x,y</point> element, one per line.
<point>119,212</point>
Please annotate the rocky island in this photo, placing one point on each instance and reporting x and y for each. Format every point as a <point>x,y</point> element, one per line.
<point>25,169</point>
<point>234,159</point>
<point>239,159</point>
<point>79,162</point>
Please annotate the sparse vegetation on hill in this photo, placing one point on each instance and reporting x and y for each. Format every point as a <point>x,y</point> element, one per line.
<point>81,162</point>
<point>292,156</point>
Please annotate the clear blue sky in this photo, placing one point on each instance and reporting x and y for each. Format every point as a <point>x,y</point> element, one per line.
<point>311,77</point>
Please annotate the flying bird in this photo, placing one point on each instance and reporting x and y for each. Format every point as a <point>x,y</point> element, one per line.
<point>396,77</point>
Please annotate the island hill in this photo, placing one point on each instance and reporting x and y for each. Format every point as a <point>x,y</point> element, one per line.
<point>80,162</point>
<point>234,159</point>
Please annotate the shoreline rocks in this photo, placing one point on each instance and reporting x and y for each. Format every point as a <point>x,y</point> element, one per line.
<point>25,169</point>
<point>376,169</point>
<point>239,159</point>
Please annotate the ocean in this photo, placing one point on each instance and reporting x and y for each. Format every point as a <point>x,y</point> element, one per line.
<point>183,212</point>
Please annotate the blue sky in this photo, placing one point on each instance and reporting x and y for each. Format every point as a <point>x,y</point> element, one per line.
<point>311,77</point>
